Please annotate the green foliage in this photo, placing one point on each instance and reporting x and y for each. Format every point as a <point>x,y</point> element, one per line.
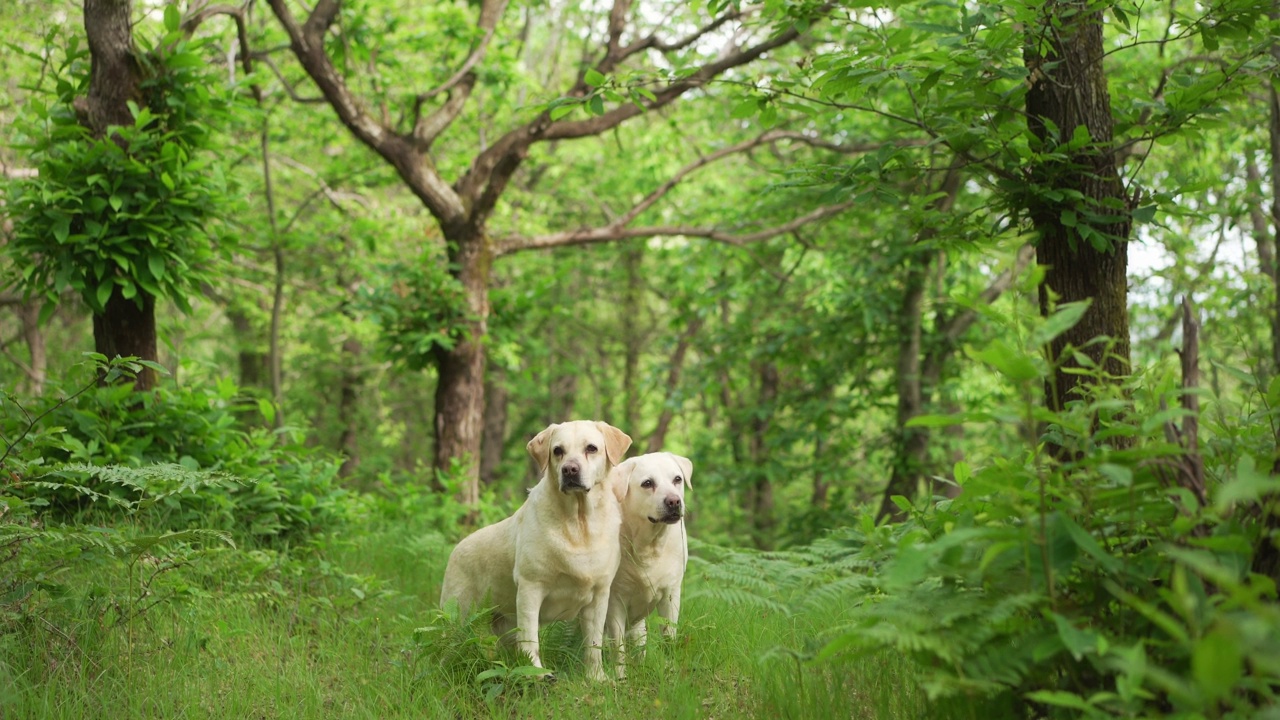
<point>176,455</point>
<point>420,307</point>
<point>1090,583</point>
<point>132,212</point>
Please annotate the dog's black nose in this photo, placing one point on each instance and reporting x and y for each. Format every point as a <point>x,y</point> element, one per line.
<point>570,470</point>
<point>672,502</point>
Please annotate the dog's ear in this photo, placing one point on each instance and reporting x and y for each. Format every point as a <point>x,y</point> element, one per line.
<point>620,478</point>
<point>686,467</point>
<point>616,442</point>
<point>540,448</point>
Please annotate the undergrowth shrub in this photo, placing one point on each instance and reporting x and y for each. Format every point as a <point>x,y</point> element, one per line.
<point>113,441</point>
<point>1086,575</point>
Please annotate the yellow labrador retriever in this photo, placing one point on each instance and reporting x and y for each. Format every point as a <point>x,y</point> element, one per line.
<point>555,558</point>
<point>650,489</point>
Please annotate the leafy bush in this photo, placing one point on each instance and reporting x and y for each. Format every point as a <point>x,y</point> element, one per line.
<point>1085,577</point>
<point>115,442</point>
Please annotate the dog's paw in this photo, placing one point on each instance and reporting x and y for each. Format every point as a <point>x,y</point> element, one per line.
<point>549,678</point>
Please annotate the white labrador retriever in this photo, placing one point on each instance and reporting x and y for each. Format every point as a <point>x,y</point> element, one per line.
<point>655,550</point>
<point>555,558</point>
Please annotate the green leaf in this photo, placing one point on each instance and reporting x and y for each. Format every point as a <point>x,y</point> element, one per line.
<point>1209,37</point>
<point>1068,218</point>
<point>745,109</point>
<point>1248,485</point>
<point>596,105</point>
<point>594,77</point>
<point>268,410</point>
<point>1011,363</point>
<point>104,294</point>
<point>929,81</point>
<point>1217,663</point>
<point>61,228</point>
<point>1090,546</point>
<point>172,17</point>
<point>1063,319</point>
<point>1060,698</point>
<point>560,111</point>
<point>155,263</point>
<point>1144,214</point>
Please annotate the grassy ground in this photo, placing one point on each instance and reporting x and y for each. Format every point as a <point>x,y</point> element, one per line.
<point>331,633</point>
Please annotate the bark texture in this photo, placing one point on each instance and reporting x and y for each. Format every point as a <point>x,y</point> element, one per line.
<point>760,492</point>
<point>126,330</point>
<point>253,362</point>
<point>350,385</point>
<point>37,371</point>
<point>1068,90</point>
<point>459,421</point>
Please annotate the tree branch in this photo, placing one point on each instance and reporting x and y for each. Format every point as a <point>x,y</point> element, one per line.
<point>610,233</point>
<point>307,42</point>
<point>489,173</point>
<point>284,82</point>
<point>427,128</point>
<point>490,13</point>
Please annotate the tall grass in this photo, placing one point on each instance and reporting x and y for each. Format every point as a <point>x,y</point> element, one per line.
<point>330,632</point>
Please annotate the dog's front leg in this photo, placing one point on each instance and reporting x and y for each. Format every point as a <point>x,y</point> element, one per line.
<point>529,598</point>
<point>592,620</point>
<point>615,629</point>
<point>638,637</point>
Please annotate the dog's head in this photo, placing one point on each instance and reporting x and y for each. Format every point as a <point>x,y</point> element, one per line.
<point>651,487</point>
<point>578,454</point>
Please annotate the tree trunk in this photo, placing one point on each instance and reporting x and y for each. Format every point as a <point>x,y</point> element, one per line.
<point>1266,560</point>
<point>495,424</point>
<point>818,501</point>
<point>760,493</point>
<point>1274,136</point>
<point>348,412</point>
<point>127,330</point>
<point>1069,91</point>
<point>29,314</point>
<point>459,424</point>
<point>911,444</point>
<point>124,328</point>
<point>114,75</point>
<point>254,363</point>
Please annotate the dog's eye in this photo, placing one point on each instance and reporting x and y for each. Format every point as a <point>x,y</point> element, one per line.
<point>677,481</point>
<point>646,484</point>
<point>592,449</point>
<point>558,451</point>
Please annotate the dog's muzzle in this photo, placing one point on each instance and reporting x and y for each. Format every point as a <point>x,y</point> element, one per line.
<point>572,486</point>
<point>668,518</point>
